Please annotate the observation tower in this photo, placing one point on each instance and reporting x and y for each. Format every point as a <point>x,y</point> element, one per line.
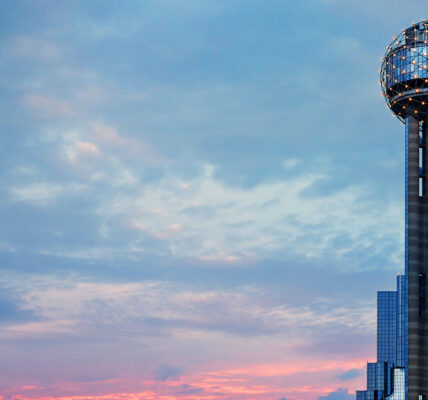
<point>404,81</point>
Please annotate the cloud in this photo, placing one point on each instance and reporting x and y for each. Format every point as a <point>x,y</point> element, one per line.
<point>87,148</point>
<point>108,137</point>
<point>43,193</point>
<point>187,213</point>
<point>290,163</point>
<point>271,219</point>
<point>51,328</point>
<point>11,311</point>
<point>79,308</point>
<point>48,107</point>
<point>34,49</point>
<point>351,374</point>
<point>82,151</point>
<point>167,371</point>
<point>339,394</point>
<point>205,219</point>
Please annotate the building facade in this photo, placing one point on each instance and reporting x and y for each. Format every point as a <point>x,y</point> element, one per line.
<point>387,374</point>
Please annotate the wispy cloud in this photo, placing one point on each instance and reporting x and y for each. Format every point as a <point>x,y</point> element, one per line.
<point>43,193</point>
<point>206,219</point>
<point>192,207</point>
<point>48,107</point>
<point>171,308</point>
<point>218,221</point>
<point>33,49</point>
<point>339,394</point>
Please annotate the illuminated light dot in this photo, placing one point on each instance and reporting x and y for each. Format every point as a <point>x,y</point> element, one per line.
<point>423,103</point>
<point>416,111</point>
<point>410,99</point>
<point>406,86</point>
<point>404,107</point>
<point>404,71</point>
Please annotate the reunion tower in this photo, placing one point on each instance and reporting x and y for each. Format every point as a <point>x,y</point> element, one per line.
<point>404,81</point>
<point>401,369</point>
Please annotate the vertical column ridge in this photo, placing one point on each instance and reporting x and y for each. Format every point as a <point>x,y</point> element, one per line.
<point>413,254</point>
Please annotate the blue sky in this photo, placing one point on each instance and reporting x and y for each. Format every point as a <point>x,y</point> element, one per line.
<point>199,199</point>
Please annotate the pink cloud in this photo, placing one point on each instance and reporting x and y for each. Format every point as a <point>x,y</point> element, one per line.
<point>138,226</point>
<point>31,329</point>
<point>87,148</point>
<point>161,234</point>
<point>82,151</point>
<point>255,382</point>
<point>221,258</point>
<point>47,106</point>
<point>108,137</point>
<point>174,227</point>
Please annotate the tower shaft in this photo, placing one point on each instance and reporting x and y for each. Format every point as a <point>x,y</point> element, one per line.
<point>416,257</point>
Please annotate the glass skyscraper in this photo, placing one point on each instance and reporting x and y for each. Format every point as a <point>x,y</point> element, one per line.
<point>401,370</point>
<point>388,373</point>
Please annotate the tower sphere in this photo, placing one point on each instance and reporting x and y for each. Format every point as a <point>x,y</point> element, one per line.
<point>404,73</point>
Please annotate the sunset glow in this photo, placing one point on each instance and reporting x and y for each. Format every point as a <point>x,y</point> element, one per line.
<point>185,215</point>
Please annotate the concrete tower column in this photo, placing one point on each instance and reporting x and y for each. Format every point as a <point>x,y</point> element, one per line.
<point>423,270</point>
<point>414,225</point>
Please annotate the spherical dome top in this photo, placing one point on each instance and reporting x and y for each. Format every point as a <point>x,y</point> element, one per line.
<point>404,73</point>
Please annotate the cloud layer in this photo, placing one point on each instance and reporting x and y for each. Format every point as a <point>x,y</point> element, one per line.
<point>198,200</point>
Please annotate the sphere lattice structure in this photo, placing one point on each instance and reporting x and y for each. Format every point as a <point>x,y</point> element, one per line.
<point>404,73</point>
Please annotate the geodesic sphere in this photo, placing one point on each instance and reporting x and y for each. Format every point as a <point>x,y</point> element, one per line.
<point>404,73</point>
